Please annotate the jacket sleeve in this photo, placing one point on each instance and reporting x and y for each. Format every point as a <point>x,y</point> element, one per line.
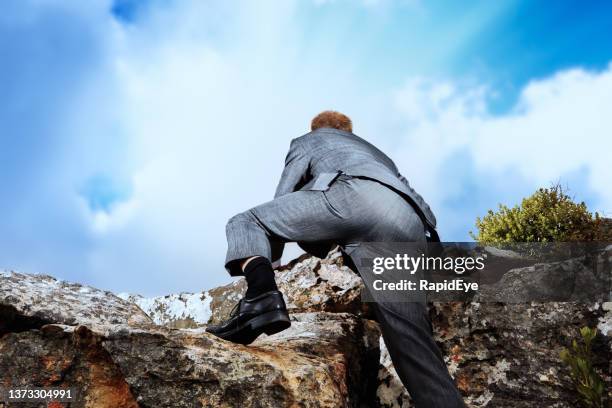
<point>403,179</point>
<point>420,201</point>
<point>295,174</point>
<point>296,169</point>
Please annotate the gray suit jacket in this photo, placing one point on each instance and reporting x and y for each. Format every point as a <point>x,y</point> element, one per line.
<point>316,158</point>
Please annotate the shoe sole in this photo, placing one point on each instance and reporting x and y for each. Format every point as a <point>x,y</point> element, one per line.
<point>270,323</point>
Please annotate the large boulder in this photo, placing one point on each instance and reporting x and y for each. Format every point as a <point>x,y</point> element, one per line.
<point>28,301</point>
<point>57,334</point>
<point>321,361</point>
<point>501,354</point>
<point>507,355</point>
<point>582,279</point>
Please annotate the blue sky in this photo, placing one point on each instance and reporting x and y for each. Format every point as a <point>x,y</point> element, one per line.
<point>128,128</point>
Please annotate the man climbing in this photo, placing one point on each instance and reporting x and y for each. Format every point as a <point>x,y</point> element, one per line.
<point>337,189</point>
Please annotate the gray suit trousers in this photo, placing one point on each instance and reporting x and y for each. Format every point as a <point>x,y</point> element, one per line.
<point>351,211</point>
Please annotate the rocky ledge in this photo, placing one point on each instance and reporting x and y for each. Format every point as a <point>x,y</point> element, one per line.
<point>129,351</point>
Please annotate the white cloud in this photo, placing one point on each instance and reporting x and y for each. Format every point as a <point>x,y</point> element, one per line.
<point>207,128</point>
<point>559,125</point>
<point>211,138</point>
<point>195,105</point>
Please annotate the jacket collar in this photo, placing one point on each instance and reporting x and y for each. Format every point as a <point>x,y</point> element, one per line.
<point>332,130</point>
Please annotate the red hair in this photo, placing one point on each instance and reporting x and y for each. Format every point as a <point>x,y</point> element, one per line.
<point>332,119</point>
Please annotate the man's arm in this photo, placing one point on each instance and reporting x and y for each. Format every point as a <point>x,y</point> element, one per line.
<point>422,201</point>
<point>295,173</point>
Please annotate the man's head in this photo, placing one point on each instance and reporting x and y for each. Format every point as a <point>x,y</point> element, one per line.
<point>332,119</point>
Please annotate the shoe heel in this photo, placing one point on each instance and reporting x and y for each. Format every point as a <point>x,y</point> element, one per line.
<point>271,322</point>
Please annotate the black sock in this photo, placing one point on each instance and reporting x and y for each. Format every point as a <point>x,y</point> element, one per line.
<point>259,276</point>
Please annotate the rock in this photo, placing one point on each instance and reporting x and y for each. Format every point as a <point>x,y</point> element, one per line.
<point>308,284</point>
<point>323,360</point>
<point>390,392</point>
<point>501,355</point>
<point>28,301</point>
<point>318,362</point>
<point>502,253</point>
<point>61,334</point>
<point>585,279</point>
<point>507,355</point>
<point>605,322</point>
<point>180,311</point>
<point>64,356</point>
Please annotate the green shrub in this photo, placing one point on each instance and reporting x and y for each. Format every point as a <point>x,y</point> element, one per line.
<point>579,360</point>
<point>549,215</point>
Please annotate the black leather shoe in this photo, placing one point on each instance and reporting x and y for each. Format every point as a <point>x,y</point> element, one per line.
<point>265,313</point>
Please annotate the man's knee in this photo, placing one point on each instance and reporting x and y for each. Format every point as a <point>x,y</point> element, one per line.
<point>246,217</point>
